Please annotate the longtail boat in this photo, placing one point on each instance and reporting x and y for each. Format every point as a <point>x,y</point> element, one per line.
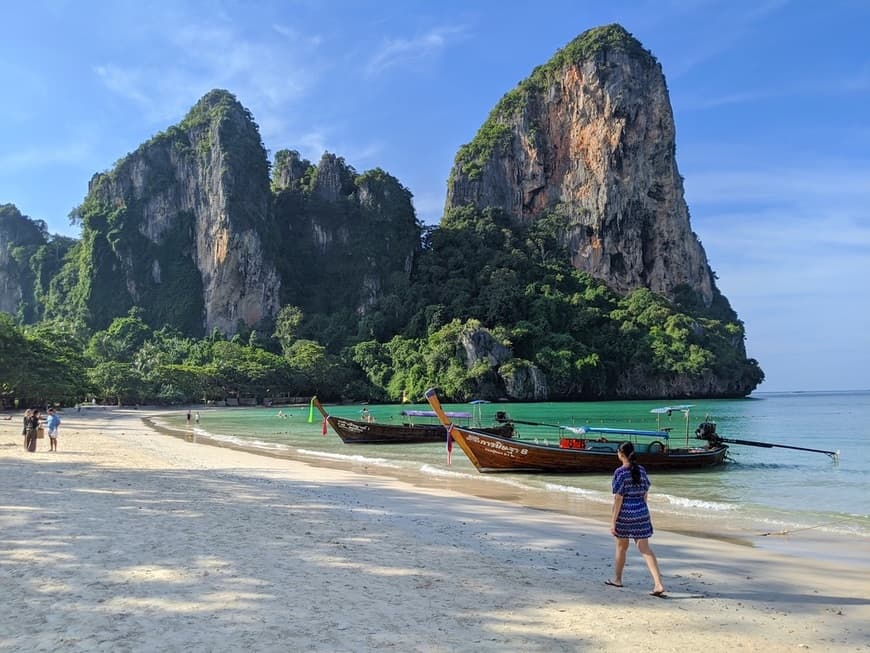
<point>352,431</point>
<point>589,449</point>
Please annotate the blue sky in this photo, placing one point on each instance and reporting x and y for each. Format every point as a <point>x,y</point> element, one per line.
<point>771,101</point>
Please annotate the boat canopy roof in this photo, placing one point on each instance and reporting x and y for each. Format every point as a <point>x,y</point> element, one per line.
<point>669,409</point>
<point>580,430</point>
<point>431,413</point>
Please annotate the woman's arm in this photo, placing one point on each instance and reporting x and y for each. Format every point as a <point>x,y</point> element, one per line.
<point>617,506</point>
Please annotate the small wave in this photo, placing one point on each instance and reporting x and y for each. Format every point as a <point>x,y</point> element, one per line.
<point>439,471</point>
<point>242,443</point>
<point>591,494</point>
<point>356,458</point>
<point>684,502</point>
<point>842,526</point>
<point>483,478</point>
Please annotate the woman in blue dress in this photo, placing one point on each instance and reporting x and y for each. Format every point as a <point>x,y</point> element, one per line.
<point>630,517</point>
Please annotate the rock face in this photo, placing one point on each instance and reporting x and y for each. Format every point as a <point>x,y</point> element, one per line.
<point>29,257</point>
<point>191,204</point>
<point>351,238</point>
<point>517,379</point>
<point>590,135</point>
<point>524,382</point>
<point>11,291</point>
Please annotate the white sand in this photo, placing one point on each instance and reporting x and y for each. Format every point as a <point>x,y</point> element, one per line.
<point>129,540</point>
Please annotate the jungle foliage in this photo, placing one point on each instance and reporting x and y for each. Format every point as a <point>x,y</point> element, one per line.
<point>478,271</point>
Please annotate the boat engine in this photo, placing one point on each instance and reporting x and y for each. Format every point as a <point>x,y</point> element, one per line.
<point>707,431</point>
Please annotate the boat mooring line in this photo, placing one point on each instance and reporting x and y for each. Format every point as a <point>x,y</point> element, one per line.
<point>805,528</point>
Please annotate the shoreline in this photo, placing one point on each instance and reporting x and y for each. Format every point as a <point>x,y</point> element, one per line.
<point>128,539</point>
<point>815,545</point>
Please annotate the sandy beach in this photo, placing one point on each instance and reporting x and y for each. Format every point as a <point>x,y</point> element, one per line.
<point>127,539</point>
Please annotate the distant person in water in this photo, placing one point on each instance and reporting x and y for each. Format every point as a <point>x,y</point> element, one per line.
<point>188,417</point>
<point>196,418</point>
<point>631,519</point>
<point>366,415</point>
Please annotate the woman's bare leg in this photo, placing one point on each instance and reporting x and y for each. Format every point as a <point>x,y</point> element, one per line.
<point>619,559</point>
<point>652,564</point>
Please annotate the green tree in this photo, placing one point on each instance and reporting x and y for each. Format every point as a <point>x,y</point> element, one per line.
<point>287,326</point>
<point>120,341</point>
<point>116,382</point>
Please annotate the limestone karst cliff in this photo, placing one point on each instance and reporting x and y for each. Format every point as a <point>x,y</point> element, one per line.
<point>176,226</point>
<point>350,239</point>
<point>591,135</point>
<point>29,258</point>
<point>189,229</point>
<point>12,276</point>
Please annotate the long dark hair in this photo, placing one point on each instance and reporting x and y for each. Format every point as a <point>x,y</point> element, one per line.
<point>627,450</point>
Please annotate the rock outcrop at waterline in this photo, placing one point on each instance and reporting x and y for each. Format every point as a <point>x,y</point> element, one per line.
<point>591,135</point>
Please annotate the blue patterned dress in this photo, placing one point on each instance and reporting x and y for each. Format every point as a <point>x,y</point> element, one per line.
<point>633,520</point>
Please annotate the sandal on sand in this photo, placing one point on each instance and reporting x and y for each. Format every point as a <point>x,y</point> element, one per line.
<point>659,595</point>
<point>612,584</point>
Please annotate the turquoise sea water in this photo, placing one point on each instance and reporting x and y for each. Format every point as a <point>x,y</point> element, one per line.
<point>777,491</point>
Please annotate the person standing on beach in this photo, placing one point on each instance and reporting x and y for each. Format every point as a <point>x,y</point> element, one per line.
<point>27,414</point>
<point>196,418</point>
<point>52,423</point>
<point>631,519</point>
<point>31,424</point>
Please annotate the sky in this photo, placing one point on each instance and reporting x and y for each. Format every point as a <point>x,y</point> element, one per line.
<point>771,102</point>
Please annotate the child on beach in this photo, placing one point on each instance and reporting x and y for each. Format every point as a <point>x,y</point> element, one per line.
<point>52,423</point>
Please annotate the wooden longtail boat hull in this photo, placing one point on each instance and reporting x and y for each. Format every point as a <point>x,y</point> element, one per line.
<point>357,432</point>
<point>490,453</point>
<point>353,431</point>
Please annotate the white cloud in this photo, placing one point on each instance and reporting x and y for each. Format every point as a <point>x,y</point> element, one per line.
<point>803,87</point>
<point>717,33</point>
<point>127,83</point>
<point>411,52</point>
<point>266,74</point>
<point>66,154</point>
<point>828,183</point>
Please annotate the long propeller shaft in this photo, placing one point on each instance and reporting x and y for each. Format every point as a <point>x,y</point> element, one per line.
<point>507,420</point>
<point>769,445</point>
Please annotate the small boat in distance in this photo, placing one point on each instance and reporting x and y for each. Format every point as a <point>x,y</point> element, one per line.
<point>353,431</point>
<point>589,449</point>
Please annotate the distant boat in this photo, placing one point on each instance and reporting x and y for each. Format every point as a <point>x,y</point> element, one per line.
<point>352,431</point>
<point>587,449</point>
